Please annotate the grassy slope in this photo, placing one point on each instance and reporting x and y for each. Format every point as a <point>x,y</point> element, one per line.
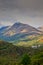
<point>10,54</point>
<point>29,40</point>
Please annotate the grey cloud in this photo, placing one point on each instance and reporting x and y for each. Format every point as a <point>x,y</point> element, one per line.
<point>31,4</point>
<point>22,10</point>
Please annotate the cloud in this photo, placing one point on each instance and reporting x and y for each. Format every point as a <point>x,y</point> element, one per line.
<point>30,4</point>
<point>26,11</point>
<point>5,23</point>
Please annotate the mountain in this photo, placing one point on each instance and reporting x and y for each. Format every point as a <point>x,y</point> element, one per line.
<point>18,31</point>
<point>19,28</point>
<point>24,39</point>
<point>40,28</point>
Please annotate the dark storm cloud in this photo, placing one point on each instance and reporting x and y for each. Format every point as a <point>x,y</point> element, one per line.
<point>27,11</point>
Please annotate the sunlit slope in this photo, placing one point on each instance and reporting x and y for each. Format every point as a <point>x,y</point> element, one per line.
<point>30,40</point>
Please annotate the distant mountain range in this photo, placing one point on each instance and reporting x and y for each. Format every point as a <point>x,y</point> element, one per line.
<point>17,31</point>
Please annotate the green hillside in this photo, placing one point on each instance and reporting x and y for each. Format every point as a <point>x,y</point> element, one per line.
<point>12,55</point>
<point>29,40</point>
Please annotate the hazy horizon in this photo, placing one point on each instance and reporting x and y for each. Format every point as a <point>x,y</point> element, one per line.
<point>25,11</point>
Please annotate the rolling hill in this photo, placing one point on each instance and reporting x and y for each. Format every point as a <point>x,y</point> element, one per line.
<point>29,40</point>
<point>11,54</point>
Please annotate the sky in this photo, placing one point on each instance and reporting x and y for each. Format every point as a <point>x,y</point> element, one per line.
<point>24,11</point>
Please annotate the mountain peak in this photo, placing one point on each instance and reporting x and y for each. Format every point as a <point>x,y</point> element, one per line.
<point>17,24</point>
<point>20,28</point>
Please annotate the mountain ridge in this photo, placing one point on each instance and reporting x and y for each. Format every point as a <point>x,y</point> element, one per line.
<point>20,28</point>
<point>40,28</point>
<point>18,31</point>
